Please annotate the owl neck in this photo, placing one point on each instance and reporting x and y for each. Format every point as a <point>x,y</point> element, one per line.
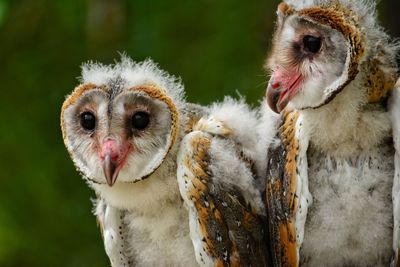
<point>350,123</point>
<point>148,195</point>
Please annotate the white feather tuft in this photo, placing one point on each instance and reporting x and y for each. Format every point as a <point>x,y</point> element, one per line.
<point>241,119</point>
<point>135,74</point>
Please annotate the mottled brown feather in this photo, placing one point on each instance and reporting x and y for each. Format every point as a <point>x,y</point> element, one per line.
<point>281,199</point>
<point>225,220</point>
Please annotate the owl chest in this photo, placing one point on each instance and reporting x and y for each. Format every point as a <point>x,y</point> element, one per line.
<point>162,240</point>
<point>350,221</point>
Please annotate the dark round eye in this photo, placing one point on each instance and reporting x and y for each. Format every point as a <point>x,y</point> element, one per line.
<point>88,121</point>
<point>140,120</point>
<point>312,44</point>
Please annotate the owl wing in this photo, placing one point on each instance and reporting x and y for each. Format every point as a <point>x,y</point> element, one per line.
<point>287,195</point>
<point>111,222</point>
<point>226,228</point>
<point>394,110</point>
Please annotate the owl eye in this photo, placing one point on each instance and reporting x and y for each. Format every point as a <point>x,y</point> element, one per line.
<point>312,44</point>
<point>140,120</point>
<point>88,121</point>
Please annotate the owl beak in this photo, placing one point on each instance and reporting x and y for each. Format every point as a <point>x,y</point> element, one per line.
<point>273,95</point>
<point>281,89</point>
<point>112,159</point>
<point>109,168</point>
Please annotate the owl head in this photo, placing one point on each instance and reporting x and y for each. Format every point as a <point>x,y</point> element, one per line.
<point>320,47</point>
<point>122,121</point>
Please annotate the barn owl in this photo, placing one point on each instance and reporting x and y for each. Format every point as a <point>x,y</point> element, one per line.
<point>176,182</point>
<point>333,186</point>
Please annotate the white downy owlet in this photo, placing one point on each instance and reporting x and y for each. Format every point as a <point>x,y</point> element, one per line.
<point>333,190</point>
<point>175,181</point>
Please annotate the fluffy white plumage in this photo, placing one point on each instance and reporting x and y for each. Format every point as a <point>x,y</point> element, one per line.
<point>133,74</point>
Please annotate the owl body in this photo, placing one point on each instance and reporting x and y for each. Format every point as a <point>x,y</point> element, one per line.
<point>333,73</point>
<point>153,221</point>
<point>134,138</point>
<point>350,177</point>
<point>345,204</point>
<point>360,234</point>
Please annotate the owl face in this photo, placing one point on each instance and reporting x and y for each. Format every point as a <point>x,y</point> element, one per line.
<point>119,130</point>
<point>314,54</point>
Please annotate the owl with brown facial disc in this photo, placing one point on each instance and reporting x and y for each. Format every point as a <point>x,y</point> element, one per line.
<point>333,186</point>
<point>176,182</point>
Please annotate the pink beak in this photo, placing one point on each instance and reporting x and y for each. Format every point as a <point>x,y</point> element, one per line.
<point>111,158</point>
<point>282,87</point>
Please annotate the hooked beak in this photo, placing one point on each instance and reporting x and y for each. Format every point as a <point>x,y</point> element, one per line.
<point>281,90</point>
<point>112,155</point>
<point>273,96</point>
<point>110,169</point>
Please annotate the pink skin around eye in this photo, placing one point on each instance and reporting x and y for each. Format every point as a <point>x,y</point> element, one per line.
<point>282,87</point>
<point>113,156</point>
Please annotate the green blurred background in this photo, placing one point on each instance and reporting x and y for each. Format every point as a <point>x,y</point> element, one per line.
<point>217,47</point>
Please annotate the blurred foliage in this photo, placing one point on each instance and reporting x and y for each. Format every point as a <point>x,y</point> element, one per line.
<point>217,47</point>
<point>3,10</point>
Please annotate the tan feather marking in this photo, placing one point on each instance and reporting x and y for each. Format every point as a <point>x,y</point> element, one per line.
<point>203,216</point>
<point>274,188</point>
<point>287,234</point>
<point>234,259</point>
<point>71,99</point>
<point>200,145</point>
<point>285,9</point>
<point>281,193</point>
<point>286,227</point>
<point>288,243</point>
<point>248,220</point>
<point>219,263</point>
<point>292,147</point>
<point>190,123</point>
<point>199,186</point>
<point>274,191</point>
<point>217,213</point>
<point>378,83</point>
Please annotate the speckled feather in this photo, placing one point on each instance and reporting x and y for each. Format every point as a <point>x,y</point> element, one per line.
<point>114,230</point>
<point>286,199</point>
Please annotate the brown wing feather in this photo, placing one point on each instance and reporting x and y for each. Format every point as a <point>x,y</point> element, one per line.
<point>231,231</point>
<point>281,199</point>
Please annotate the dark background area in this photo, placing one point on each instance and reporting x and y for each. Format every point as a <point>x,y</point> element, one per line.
<point>217,47</point>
